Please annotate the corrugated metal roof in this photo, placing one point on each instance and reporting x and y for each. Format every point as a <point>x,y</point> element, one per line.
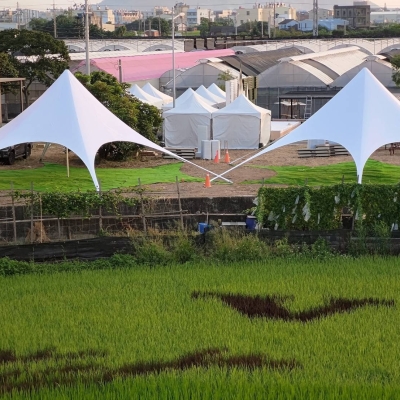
<point>254,64</point>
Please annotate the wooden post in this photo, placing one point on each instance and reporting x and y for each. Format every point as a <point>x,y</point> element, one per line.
<point>100,211</point>
<point>66,152</point>
<point>342,179</point>
<point>179,202</point>
<point>31,212</point>
<point>13,213</point>
<point>142,206</point>
<point>41,218</point>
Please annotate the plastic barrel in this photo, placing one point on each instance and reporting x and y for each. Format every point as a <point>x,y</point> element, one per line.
<point>251,222</point>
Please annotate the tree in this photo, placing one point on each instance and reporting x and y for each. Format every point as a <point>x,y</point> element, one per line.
<point>120,31</point>
<point>7,70</point>
<point>37,56</point>
<point>395,61</point>
<point>142,117</point>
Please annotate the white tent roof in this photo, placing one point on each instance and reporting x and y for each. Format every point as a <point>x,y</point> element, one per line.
<point>362,117</point>
<point>202,91</point>
<point>194,104</point>
<point>136,91</point>
<point>213,88</point>
<point>69,115</point>
<point>185,96</point>
<point>150,89</point>
<point>242,105</point>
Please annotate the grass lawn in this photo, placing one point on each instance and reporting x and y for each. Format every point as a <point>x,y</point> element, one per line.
<point>374,172</point>
<point>53,177</point>
<point>122,333</point>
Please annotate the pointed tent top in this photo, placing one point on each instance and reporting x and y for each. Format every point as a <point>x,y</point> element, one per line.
<point>150,89</point>
<point>242,105</point>
<point>202,91</point>
<point>69,115</point>
<point>194,104</point>
<point>136,91</point>
<point>213,88</point>
<point>184,97</point>
<point>362,117</point>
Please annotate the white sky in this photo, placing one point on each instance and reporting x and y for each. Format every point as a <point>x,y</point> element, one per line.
<point>147,4</point>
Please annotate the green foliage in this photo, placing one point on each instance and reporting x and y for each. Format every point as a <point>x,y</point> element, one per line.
<point>143,314</point>
<point>66,204</point>
<point>41,58</point>
<point>395,61</point>
<point>7,70</point>
<point>142,117</point>
<point>307,208</point>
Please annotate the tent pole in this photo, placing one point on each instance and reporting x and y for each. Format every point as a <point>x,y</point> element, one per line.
<point>66,151</point>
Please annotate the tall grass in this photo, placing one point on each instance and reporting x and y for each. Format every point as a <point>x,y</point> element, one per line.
<point>145,313</point>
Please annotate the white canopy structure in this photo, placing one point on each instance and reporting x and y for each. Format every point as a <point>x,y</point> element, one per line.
<point>214,89</point>
<point>362,117</point>
<point>243,124</point>
<point>150,89</point>
<point>216,100</point>
<point>136,91</point>
<point>184,97</point>
<point>182,123</point>
<point>69,115</point>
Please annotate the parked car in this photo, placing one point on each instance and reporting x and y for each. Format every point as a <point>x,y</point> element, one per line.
<point>9,154</point>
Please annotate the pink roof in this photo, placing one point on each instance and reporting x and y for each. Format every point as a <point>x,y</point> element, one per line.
<point>136,68</point>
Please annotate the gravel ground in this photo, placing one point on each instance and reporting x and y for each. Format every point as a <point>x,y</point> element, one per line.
<point>281,157</point>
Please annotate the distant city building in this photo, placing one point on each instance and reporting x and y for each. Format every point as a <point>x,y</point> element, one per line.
<point>194,16</point>
<point>358,16</point>
<point>275,11</point>
<point>302,15</point>
<point>329,24</point>
<point>323,13</point>
<point>385,17</point>
<point>126,17</point>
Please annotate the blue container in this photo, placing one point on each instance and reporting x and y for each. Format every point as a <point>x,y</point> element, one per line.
<point>251,223</point>
<point>203,227</point>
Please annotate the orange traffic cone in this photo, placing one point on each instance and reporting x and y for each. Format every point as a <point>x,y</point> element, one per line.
<point>227,158</point>
<point>216,158</point>
<point>208,182</point>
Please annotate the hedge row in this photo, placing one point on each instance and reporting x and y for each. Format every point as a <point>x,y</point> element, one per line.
<point>307,208</point>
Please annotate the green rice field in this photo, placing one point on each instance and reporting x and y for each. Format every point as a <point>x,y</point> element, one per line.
<point>276,329</point>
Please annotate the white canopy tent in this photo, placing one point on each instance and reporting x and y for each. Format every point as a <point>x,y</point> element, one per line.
<point>362,117</point>
<point>214,89</point>
<point>182,123</point>
<point>136,91</point>
<point>216,100</point>
<point>69,115</point>
<point>243,124</point>
<point>150,89</point>
<point>184,97</point>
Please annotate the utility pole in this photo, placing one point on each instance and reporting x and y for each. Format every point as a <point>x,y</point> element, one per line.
<point>55,20</point>
<point>18,23</point>
<point>87,37</point>
<point>274,20</point>
<point>120,70</point>
<point>159,25</point>
<point>269,26</point>
<point>315,18</point>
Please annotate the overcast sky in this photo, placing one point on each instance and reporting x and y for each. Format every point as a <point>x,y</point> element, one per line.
<point>147,4</point>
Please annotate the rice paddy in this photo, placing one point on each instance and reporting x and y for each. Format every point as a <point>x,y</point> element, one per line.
<point>280,328</point>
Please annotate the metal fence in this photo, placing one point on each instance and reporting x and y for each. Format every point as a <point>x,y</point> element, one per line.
<point>23,217</point>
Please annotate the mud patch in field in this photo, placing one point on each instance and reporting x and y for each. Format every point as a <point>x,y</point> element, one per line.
<point>272,307</point>
<point>76,367</point>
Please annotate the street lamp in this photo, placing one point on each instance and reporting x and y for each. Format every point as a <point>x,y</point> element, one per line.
<point>173,54</point>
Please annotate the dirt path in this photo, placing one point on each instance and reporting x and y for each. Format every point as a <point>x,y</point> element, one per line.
<point>281,157</point>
